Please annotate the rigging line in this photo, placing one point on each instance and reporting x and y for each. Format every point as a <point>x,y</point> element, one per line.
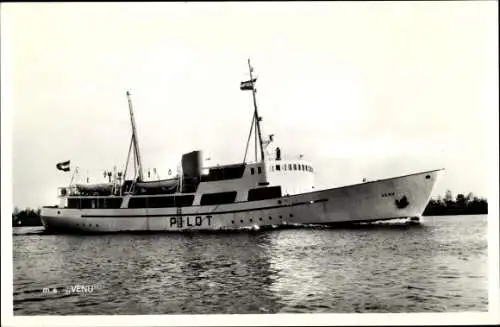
<point>128,157</point>
<point>249,135</point>
<point>135,161</point>
<point>255,147</point>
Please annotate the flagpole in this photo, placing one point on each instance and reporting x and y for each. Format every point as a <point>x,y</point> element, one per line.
<point>256,113</point>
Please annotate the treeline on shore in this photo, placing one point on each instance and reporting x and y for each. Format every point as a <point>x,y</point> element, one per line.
<point>461,205</point>
<point>26,217</point>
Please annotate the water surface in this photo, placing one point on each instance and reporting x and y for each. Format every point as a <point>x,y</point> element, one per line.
<point>390,267</point>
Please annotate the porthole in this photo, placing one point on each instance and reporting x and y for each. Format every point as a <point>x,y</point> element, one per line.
<point>428,177</point>
<point>96,225</point>
<point>270,217</point>
<point>241,220</point>
<point>281,217</point>
<point>232,221</point>
<point>58,212</point>
<point>291,215</point>
<point>279,201</point>
<point>251,220</point>
<point>260,218</point>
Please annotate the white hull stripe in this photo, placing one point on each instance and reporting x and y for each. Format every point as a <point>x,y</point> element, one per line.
<point>206,213</point>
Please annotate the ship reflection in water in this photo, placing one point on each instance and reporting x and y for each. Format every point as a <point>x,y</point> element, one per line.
<point>439,266</point>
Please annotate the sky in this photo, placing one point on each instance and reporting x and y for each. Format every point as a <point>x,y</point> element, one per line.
<point>361,89</point>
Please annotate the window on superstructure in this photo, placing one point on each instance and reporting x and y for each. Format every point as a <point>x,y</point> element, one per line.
<point>252,171</point>
<point>284,167</point>
<point>294,166</point>
<point>184,200</point>
<point>218,198</point>
<point>224,173</point>
<point>85,203</point>
<point>74,203</point>
<point>271,167</point>
<point>289,166</point>
<point>264,193</point>
<point>138,202</point>
<point>278,167</point>
<point>113,203</point>
<point>259,170</point>
<point>161,201</point>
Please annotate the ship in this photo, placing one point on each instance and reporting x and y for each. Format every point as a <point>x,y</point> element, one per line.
<point>270,191</point>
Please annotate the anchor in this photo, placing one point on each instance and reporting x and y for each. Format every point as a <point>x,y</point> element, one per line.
<point>402,203</point>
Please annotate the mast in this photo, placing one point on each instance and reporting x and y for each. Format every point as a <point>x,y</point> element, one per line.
<point>134,137</point>
<point>256,113</point>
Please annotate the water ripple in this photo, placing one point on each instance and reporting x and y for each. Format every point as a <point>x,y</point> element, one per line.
<point>440,266</point>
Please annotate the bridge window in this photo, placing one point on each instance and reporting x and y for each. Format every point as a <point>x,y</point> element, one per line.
<point>218,198</point>
<point>252,171</point>
<point>259,170</point>
<point>278,167</point>
<point>294,166</point>
<point>271,167</point>
<point>284,167</point>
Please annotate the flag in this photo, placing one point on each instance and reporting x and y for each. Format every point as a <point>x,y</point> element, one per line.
<point>247,85</point>
<point>64,166</point>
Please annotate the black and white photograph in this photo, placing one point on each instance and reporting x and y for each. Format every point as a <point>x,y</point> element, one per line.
<point>241,163</point>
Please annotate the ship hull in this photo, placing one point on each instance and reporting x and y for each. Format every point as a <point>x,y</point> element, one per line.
<point>398,197</point>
